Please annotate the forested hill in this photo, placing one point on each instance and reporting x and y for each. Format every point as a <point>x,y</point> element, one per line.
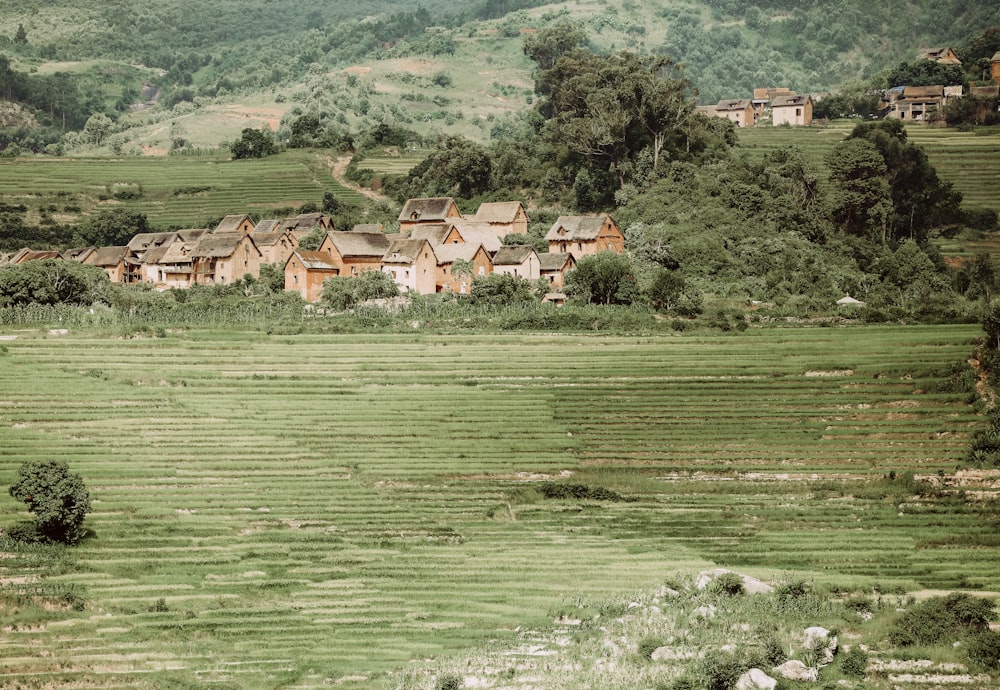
<point>275,51</point>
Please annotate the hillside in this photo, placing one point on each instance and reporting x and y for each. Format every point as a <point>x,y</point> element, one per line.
<point>435,69</point>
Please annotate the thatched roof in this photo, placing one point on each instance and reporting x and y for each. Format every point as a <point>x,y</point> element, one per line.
<point>145,240</point>
<point>370,244</point>
<point>498,211</point>
<point>733,104</point>
<point>107,256</point>
<point>513,255</point>
<point>79,254</point>
<point>265,225</point>
<point>936,91</point>
<point>232,223</point>
<point>789,101</point>
<point>554,261</point>
<point>576,228</point>
<point>315,261</point>
<point>405,251</point>
<point>450,253</point>
<point>368,227</point>
<point>220,246</point>
<point>427,210</point>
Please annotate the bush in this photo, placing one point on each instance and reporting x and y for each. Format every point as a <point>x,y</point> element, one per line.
<point>939,619</point>
<point>728,584</point>
<point>448,681</point>
<point>984,650</point>
<point>854,662</point>
<point>648,645</point>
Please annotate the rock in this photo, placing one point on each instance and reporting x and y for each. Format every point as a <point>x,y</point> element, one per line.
<point>795,670</point>
<point>751,585</point>
<point>755,679</point>
<point>58,331</point>
<point>820,641</point>
<point>728,648</point>
<point>707,611</point>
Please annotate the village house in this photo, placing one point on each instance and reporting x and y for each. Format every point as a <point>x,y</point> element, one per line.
<point>80,254</point>
<point>917,103</point>
<point>306,271</point>
<point>275,247</point>
<point>240,223</point>
<point>943,56</point>
<point>429,210</point>
<point>740,111</point>
<point>304,223</point>
<point>169,264</point>
<point>503,217</point>
<point>138,247</point>
<point>368,227</point>
<point>24,255</point>
<point>412,264</point>
<point>553,266</point>
<point>585,235</point>
<point>457,232</point>
<point>225,258</point>
<point>519,260</point>
<point>354,252</point>
<point>995,67</point>
<point>112,260</point>
<point>474,262</point>
<point>791,110</point>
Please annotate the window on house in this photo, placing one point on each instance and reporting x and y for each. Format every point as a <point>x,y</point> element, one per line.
<point>798,112</point>
<point>482,270</point>
<point>407,275</point>
<point>295,280</point>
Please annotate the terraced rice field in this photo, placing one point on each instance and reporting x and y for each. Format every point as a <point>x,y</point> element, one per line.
<point>176,191</point>
<point>297,511</point>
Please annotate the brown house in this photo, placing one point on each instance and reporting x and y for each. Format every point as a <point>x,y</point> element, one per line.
<point>236,223</point>
<point>739,111</point>
<point>917,103</point>
<point>585,235</point>
<point>225,258</point>
<point>138,247</point>
<point>275,247</point>
<point>80,255</point>
<point>412,265</point>
<point>167,262</point>
<point>554,266</point>
<point>519,260</point>
<point>792,110</point>
<point>305,273</point>
<point>354,252</point>
<point>503,217</point>
<point>112,260</point>
<point>430,210</point>
<point>995,67</point>
<point>477,264</point>
<point>24,255</point>
<point>944,56</point>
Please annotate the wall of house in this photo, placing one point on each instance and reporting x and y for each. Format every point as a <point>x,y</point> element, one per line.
<point>244,260</point>
<point>309,284</point>
<point>529,270</point>
<point>792,115</point>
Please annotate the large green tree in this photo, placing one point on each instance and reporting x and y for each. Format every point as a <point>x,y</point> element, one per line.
<point>58,498</point>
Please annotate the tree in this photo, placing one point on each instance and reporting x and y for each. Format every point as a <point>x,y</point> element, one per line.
<point>98,128</point>
<point>21,36</point>
<point>113,227</point>
<point>605,278</point>
<point>861,199</point>
<point>500,289</point>
<point>254,143</point>
<point>59,499</point>
<point>51,281</point>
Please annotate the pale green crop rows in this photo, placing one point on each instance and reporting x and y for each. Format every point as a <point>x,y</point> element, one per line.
<point>297,510</point>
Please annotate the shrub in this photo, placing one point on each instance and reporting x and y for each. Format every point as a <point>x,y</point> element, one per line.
<point>59,500</point>
<point>984,650</point>
<point>648,645</point>
<point>728,584</point>
<point>854,662</point>
<point>940,618</point>
<point>448,681</point>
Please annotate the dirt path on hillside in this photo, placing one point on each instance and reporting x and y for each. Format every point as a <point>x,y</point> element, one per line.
<point>338,169</point>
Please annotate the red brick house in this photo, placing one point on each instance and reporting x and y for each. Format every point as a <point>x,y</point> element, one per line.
<point>585,235</point>
<point>306,271</point>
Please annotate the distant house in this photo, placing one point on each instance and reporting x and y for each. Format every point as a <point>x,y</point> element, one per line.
<point>138,247</point>
<point>917,103</point>
<point>354,252</point>
<point>79,255</point>
<point>171,265</point>
<point>995,67</point>
<point>519,260</point>
<point>25,255</point>
<point>457,232</point>
<point>553,266</point>
<point>225,258</point>
<point>585,235</point>
<point>791,110</point>
<point>235,223</point>
<point>460,282</point>
<point>304,223</point>
<point>112,260</point>
<point>306,271</point>
<point>739,111</point>
<point>943,56</point>
<point>503,217</point>
<point>412,265</point>
<point>275,247</point>
<point>429,210</point>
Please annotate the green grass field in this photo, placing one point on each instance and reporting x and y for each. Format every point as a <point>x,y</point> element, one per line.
<point>295,511</point>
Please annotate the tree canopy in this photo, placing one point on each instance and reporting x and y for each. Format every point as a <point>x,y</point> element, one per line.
<point>58,498</point>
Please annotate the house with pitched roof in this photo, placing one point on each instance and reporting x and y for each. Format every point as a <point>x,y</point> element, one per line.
<point>792,110</point>
<point>917,103</point>
<point>995,67</point>
<point>554,266</point>
<point>112,260</point>
<point>79,254</point>
<point>503,217</point>
<point>585,235</point>
<point>739,111</point>
<point>138,247</point>
<point>354,252</point>
<point>412,264</point>
<point>275,247</point>
<point>942,56</point>
<point>472,261</point>
<point>235,223</point>
<point>519,260</point>
<point>223,259</point>
<point>306,271</point>
<point>428,210</point>
<point>24,255</point>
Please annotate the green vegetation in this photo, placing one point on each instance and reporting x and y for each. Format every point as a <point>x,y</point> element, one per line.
<point>58,498</point>
<point>293,493</point>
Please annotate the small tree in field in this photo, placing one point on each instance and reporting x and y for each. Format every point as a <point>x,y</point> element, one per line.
<point>58,499</point>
